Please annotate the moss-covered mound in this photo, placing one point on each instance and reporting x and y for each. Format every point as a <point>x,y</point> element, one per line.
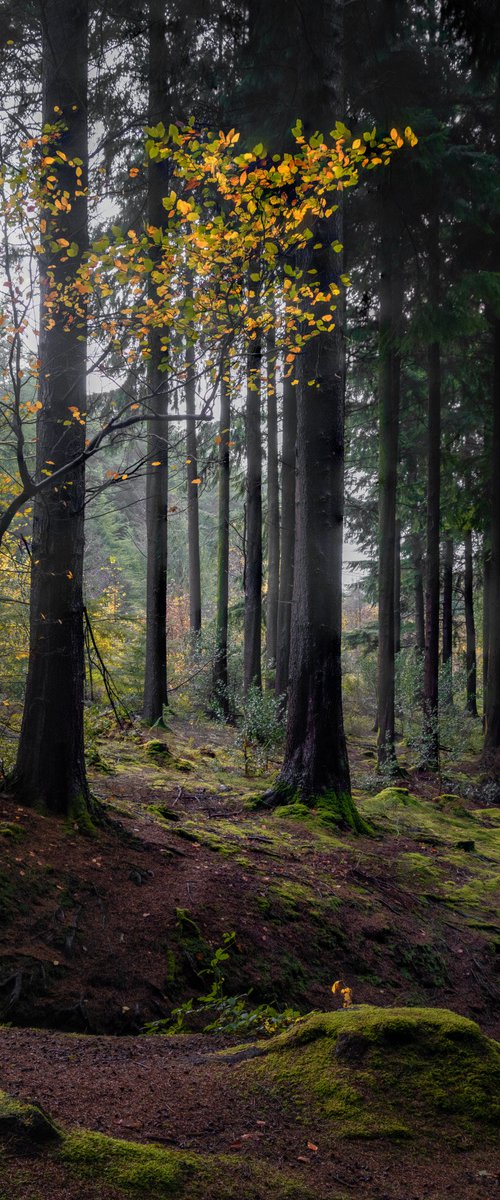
<point>387,1072</point>
<point>25,1126</point>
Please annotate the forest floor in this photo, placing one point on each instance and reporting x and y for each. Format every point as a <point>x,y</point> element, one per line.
<point>103,934</point>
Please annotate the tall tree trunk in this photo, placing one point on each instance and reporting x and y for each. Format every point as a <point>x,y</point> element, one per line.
<point>220,670</point>
<point>431,665</point>
<point>287,533</point>
<point>252,675</point>
<point>492,738</point>
<point>155,676</point>
<point>470,629</point>
<point>273,510</point>
<point>418,591</point>
<point>397,588</point>
<point>448,619</point>
<point>486,619</point>
<point>388,465</point>
<point>316,766</point>
<point>192,499</point>
<point>50,770</point>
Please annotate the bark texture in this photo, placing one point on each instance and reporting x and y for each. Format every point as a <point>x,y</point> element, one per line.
<point>220,667</point>
<point>252,674</point>
<point>192,499</point>
<point>155,676</point>
<point>50,771</point>
<point>447,651</point>
<point>273,510</point>
<point>431,665</point>
<point>287,534</point>
<point>470,628</point>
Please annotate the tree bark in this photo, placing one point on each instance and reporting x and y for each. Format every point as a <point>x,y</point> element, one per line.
<point>316,767</point>
<point>418,586</point>
<point>155,677</point>
<point>273,511</point>
<point>50,770</point>
<point>220,668</point>
<point>388,466</point>
<point>252,675</point>
<point>397,588</point>
<point>470,629</point>
<point>486,619</point>
<point>492,738</point>
<point>192,499</point>
<point>431,663</point>
<point>447,650</point>
<point>287,534</point>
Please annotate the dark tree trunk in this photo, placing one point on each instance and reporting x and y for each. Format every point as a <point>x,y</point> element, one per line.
<point>192,499</point>
<point>50,771</point>
<point>288,471</point>
<point>253,547</point>
<point>492,739</point>
<point>418,586</point>
<point>155,677</point>
<point>486,619</point>
<point>316,766</point>
<point>220,671</point>
<point>448,620</point>
<point>470,629</point>
<point>431,665</point>
<point>273,511</point>
<point>388,467</point>
<point>397,588</point>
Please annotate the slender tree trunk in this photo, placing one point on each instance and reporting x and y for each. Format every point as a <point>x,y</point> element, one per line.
<point>388,462</point>
<point>448,619</point>
<point>470,629</point>
<point>287,538</point>
<point>50,771</point>
<point>397,588</point>
<point>431,665</point>
<point>273,511</point>
<point>492,739</point>
<point>155,677</point>
<point>316,766</point>
<point>418,587</point>
<point>220,670</point>
<point>486,619</point>
<point>252,675</point>
<point>192,499</point>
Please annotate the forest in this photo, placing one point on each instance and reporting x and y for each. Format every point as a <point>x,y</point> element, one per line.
<point>249,599</point>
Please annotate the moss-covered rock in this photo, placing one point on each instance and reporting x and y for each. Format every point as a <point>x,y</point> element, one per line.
<point>25,1125</point>
<point>386,1072</point>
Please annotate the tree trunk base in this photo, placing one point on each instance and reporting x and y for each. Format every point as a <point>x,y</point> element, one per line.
<point>334,809</point>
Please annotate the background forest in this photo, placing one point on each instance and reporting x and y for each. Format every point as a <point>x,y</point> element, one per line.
<point>249,599</point>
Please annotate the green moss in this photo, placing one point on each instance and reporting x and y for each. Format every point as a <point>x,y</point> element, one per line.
<point>25,1123</point>
<point>419,869</point>
<point>385,1072</point>
<point>156,749</point>
<point>154,1173</point>
<point>295,811</point>
<point>13,832</point>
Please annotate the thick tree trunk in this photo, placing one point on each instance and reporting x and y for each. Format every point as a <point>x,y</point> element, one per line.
<point>470,629</point>
<point>397,588</point>
<point>50,771</point>
<point>431,665</point>
<point>192,499</point>
<point>220,669</point>
<point>155,676</point>
<point>492,739</point>
<point>388,466</point>
<point>252,675</point>
<point>273,511</point>
<point>287,534</point>
<point>447,651</point>
<point>316,766</point>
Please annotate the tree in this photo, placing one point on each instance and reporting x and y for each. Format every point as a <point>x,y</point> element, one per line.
<point>220,669</point>
<point>287,532</point>
<point>50,769</point>
<point>155,675</point>
<point>252,674</point>
<point>273,509</point>
<point>192,497</point>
